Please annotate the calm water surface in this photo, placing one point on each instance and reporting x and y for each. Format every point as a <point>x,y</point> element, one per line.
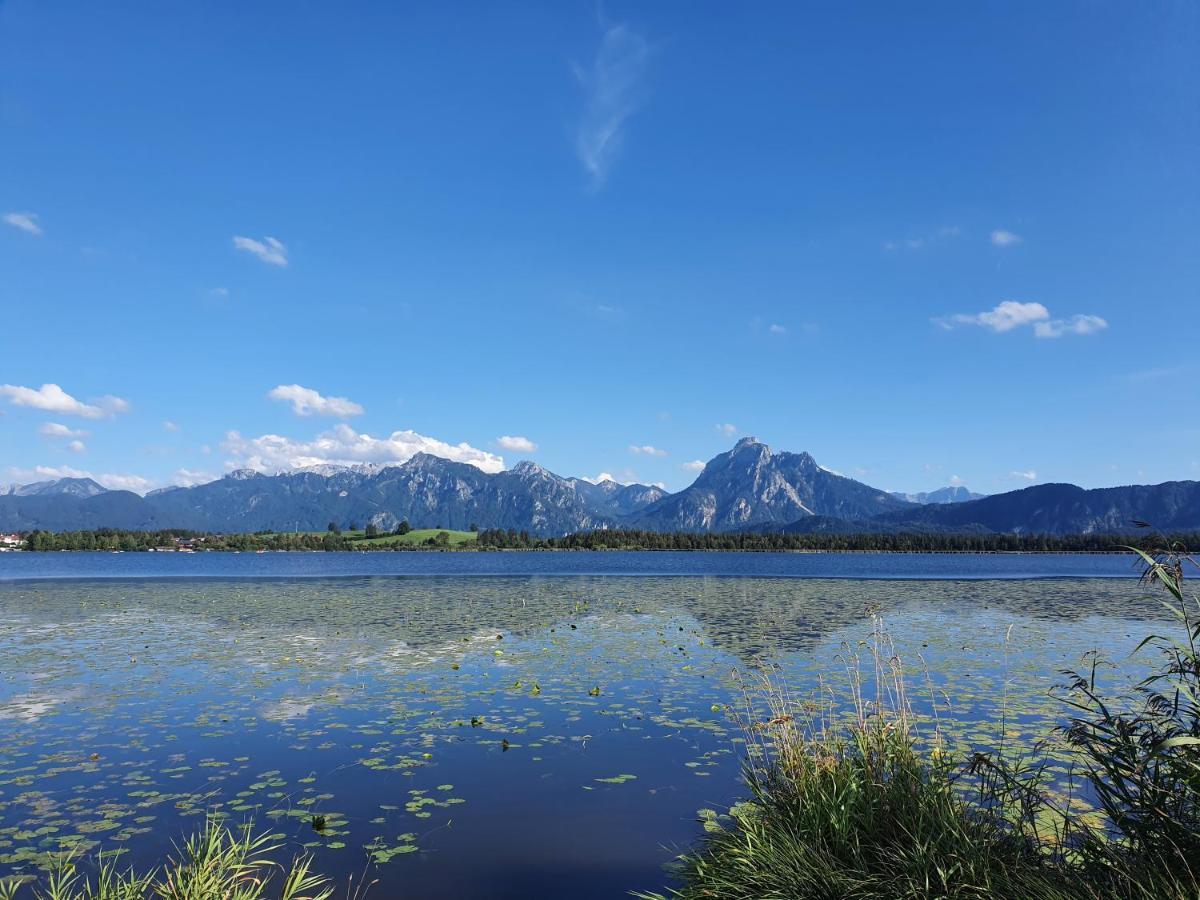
<point>478,725</point>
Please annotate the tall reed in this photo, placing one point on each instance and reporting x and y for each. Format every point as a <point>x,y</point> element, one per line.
<point>850,799</point>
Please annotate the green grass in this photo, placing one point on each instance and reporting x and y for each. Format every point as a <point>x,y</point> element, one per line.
<point>417,536</point>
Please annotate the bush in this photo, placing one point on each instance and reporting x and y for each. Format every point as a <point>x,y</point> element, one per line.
<point>867,808</point>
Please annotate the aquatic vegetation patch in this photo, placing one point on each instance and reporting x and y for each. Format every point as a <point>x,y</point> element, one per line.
<point>381,708</point>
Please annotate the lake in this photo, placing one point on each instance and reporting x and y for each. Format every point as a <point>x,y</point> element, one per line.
<point>483,724</point>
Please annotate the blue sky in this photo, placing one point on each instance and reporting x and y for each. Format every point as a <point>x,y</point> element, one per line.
<point>927,242</point>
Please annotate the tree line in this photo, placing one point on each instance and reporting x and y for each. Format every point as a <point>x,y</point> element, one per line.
<point>512,539</point>
<point>107,539</point>
<point>111,539</point>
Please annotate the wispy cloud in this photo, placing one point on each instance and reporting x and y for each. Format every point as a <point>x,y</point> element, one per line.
<point>516,443</point>
<point>1078,324</point>
<point>613,86</point>
<point>170,426</point>
<point>1012,314</point>
<point>1182,371</point>
<point>777,329</point>
<point>696,465</point>
<point>307,402</point>
<point>1026,475</point>
<point>58,430</point>
<point>76,446</point>
<point>1002,238</point>
<point>920,242</point>
<point>727,429</point>
<point>646,450</point>
<point>26,221</point>
<point>343,445</point>
<point>52,398</point>
<point>270,250</point>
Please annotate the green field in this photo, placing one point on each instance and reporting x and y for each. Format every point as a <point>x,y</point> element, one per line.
<point>416,536</point>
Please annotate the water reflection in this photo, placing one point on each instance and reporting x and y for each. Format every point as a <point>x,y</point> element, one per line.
<point>464,733</point>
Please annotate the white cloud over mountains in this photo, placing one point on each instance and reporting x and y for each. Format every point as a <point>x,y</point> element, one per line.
<point>52,398</point>
<point>270,250</point>
<point>516,443</point>
<point>646,450</point>
<point>307,402</point>
<point>1012,314</point>
<point>343,445</point>
<point>114,482</point>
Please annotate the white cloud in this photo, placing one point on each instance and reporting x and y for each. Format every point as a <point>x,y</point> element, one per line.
<point>696,465</point>
<point>1004,316</point>
<point>220,293</point>
<point>343,445</point>
<point>1029,475</point>
<point>1002,238</point>
<point>52,398</point>
<point>113,482</point>
<point>307,402</point>
<point>170,426</point>
<point>1078,324</point>
<point>727,429</point>
<point>602,477</point>
<point>955,481</point>
<point>77,446</point>
<point>516,443</point>
<point>1012,314</point>
<point>776,329</point>
<point>646,450</point>
<point>613,86</point>
<point>54,429</point>
<point>42,472</point>
<point>190,477</point>
<point>269,250</point>
<point>135,483</point>
<point>26,221</point>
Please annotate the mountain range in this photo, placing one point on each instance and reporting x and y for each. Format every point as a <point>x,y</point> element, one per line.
<point>748,488</point>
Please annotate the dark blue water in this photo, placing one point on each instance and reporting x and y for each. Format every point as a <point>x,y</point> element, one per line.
<point>957,566</point>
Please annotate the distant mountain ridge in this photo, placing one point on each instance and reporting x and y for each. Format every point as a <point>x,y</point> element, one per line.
<point>748,488</point>
<point>948,494</point>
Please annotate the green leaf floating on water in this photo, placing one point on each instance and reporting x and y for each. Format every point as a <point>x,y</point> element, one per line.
<point>617,779</point>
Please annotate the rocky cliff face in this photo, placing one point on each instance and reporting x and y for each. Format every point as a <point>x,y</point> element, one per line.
<point>751,486</point>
